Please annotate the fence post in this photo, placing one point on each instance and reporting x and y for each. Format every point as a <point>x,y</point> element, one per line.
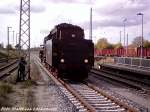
<point>140,62</point>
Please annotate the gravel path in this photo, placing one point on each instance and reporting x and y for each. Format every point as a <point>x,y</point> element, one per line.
<point>48,94</point>
<point>137,98</point>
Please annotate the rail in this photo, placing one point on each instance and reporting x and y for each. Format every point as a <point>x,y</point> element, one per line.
<point>7,69</point>
<point>3,60</point>
<point>84,97</point>
<point>121,104</point>
<point>118,76</point>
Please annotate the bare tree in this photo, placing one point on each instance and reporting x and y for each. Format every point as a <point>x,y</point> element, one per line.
<point>136,42</point>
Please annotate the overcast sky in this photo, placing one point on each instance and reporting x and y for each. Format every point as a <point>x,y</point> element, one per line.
<point>108,16</point>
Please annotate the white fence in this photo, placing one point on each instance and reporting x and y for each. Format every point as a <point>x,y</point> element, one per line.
<point>132,61</point>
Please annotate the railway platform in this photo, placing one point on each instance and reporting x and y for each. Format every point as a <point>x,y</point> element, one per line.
<point>133,69</point>
<point>129,64</point>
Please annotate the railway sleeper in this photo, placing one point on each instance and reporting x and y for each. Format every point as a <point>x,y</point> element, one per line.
<point>109,107</point>
<point>93,99</point>
<point>118,110</point>
<point>104,105</point>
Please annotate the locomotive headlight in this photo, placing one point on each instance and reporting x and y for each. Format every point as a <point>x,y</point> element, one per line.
<point>62,60</point>
<point>73,35</point>
<point>86,61</point>
<point>99,66</point>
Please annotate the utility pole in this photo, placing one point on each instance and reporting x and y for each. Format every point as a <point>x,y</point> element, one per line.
<point>17,39</point>
<point>124,33</point>
<point>24,31</point>
<point>120,37</point>
<point>141,14</point>
<point>90,24</point>
<point>13,37</point>
<point>127,46</point>
<point>8,42</point>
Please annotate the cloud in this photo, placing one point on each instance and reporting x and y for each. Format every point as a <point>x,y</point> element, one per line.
<point>113,15</point>
<point>34,8</point>
<point>7,10</point>
<point>71,1</point>
<point>12,10</point>
<point>127,8</point>
<point>37,8</point>
<point>122,9</point>
<point>62,1</point>
<point>44,31</point>
<point>109,23</point>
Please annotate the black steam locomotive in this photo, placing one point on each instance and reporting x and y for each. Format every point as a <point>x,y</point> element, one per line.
<point>67,52</point>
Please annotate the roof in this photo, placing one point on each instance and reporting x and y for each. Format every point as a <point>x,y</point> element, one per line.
<point>67,25</point>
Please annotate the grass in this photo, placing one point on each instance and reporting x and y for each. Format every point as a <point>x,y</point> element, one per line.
<point>28,83</point>
<point>12,53</point>
<point>5,88</point>
<point>2,55</point>
<point>30,100</point>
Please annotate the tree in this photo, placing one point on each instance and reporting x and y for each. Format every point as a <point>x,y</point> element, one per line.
<point>17,46</point>
<point>137,41</point>
<point>102,43</point>
<point>147,44</point>
<point>9,46</point>
<point>110,46</point>
<point>118,45</point>
<point>130,46</point>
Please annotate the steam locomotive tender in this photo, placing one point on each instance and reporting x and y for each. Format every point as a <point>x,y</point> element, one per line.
<point>68,53</point>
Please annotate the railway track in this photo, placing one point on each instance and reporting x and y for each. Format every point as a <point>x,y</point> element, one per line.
<point>88,98</point>
<point>3,60</point>
<point>8,68</point>
<point>122,78</point>
<point>6,59</point>
<point>95,100</point>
